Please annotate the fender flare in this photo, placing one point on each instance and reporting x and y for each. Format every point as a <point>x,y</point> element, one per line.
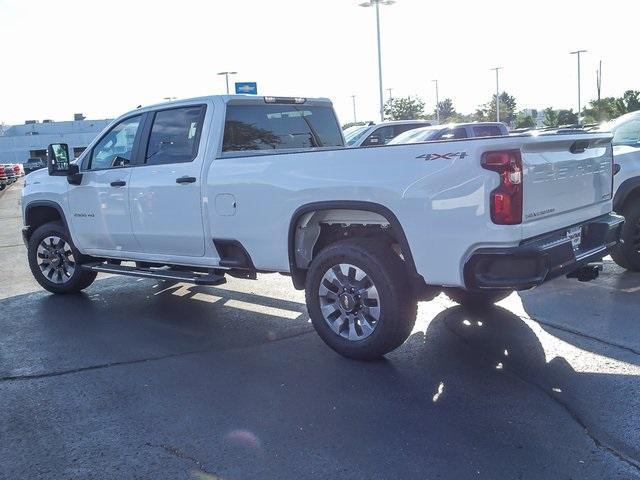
<point>45,203</point>
<point>298,275</point>
<point>625,189</point>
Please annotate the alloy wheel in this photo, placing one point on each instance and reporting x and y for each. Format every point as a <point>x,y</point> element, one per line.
<point>55,259</point>
<point>349,301</point>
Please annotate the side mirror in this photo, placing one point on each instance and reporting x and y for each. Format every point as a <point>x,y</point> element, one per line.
<point>58,159</point>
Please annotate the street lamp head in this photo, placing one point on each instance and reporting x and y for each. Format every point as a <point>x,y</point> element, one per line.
<point>577,51</point>
<point>371,3</point>
<point>227,73</point>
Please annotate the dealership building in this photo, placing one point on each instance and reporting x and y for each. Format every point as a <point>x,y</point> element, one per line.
<point>30,140</point>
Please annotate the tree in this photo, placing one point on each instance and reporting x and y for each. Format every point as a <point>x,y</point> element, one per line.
<point>446,110</point>
<point>629,102</point>
<point>525,121</point>
<point>404,108</point>
<point>600,110</point>
<point>567,117</point>
<point>550,117</point>
<point>488,113</point>
<point>558,118</point>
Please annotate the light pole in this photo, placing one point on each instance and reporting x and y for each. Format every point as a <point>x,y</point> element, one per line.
<point>578,52</point>
<point>437,102</point>
<point>355,118</point>
<point>497,69</point>
<point>376,3</point>
<point>226,75</point>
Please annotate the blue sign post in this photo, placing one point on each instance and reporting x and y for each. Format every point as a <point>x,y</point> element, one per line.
<point>249,88</point>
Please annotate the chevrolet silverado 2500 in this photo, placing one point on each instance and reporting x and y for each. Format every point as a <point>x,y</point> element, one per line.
<point>197,189</point>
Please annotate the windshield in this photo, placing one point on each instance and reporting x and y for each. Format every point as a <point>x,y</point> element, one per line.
<point>353,134</point>
<point>416,135</point>
<point>626,129</point>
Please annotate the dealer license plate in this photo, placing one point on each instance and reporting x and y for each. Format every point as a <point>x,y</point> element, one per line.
<point>575,235</point>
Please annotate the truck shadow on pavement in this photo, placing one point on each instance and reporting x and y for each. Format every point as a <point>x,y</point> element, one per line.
<point>601,317</point>
<point>598,393</point>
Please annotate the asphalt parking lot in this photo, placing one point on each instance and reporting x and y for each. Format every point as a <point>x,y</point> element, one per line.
<point>147,379</point>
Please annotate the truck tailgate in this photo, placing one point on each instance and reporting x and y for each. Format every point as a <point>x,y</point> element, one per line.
<point>565,173</point>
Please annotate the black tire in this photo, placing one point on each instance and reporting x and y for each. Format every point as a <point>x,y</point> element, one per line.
<point>397,307</point>
<point>470,299</point>
<point>77,281</point>
<point>627,255</point>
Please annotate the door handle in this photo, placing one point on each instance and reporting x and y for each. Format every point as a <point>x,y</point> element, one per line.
<point>186,180</point>
<point>118,183</point>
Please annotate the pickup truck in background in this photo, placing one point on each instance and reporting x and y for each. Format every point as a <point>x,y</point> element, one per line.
<point>626,200</point>
<point>33,164</point>
<point>194,190</point>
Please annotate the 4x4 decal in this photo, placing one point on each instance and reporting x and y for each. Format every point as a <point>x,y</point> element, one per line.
<point>444,156</point>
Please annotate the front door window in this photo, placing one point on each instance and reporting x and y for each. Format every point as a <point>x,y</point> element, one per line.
<point>115,149</point>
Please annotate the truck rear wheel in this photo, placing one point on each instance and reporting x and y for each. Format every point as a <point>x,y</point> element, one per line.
<point>359,300</point>
<point>481,299</point>
<point>54,260</point>
<point>627,255</point>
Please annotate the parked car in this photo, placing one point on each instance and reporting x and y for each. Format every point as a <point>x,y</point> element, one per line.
<point>9,172</point>
<point>626,152</point>
<point>34,164</point>
<point>381,133</point>
<point>18,169</point>
<point>4,180</point>
<point>452,131</point>
<point>194,190</point>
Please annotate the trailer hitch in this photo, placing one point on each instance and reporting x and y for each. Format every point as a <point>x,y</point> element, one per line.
<point>589,272</point>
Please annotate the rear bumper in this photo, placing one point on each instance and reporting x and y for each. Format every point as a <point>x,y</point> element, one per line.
<point>539,259</point>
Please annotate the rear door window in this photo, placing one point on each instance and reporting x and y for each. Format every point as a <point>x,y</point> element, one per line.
<point>175,135</point>
<point>398,129</point>
<point>487,131</point>
<point>280,127</point>
<point>451,134</point>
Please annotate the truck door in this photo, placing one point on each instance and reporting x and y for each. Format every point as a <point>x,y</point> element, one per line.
<point>99,206</point>
<point>165,190</point>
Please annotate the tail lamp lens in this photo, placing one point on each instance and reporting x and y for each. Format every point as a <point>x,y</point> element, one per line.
<point>506,199</point>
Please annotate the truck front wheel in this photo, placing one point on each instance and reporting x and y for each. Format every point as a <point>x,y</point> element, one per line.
<point>54,260</point>
<point>359,300</point>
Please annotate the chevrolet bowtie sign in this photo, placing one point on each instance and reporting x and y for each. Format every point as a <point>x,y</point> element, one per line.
<point>247,88</point>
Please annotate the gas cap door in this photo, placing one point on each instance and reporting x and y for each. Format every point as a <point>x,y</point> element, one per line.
<point>225,204</point>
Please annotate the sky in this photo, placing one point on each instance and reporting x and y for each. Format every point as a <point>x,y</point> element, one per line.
<point>105,57</point>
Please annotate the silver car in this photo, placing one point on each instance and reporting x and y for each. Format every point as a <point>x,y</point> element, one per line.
<point>452,131</point>
<point>380,133</point>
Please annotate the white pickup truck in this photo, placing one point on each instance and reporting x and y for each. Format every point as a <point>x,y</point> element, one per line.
<point>198,189</point>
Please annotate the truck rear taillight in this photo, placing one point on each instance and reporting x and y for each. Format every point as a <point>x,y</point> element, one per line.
<point>506,200</point>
